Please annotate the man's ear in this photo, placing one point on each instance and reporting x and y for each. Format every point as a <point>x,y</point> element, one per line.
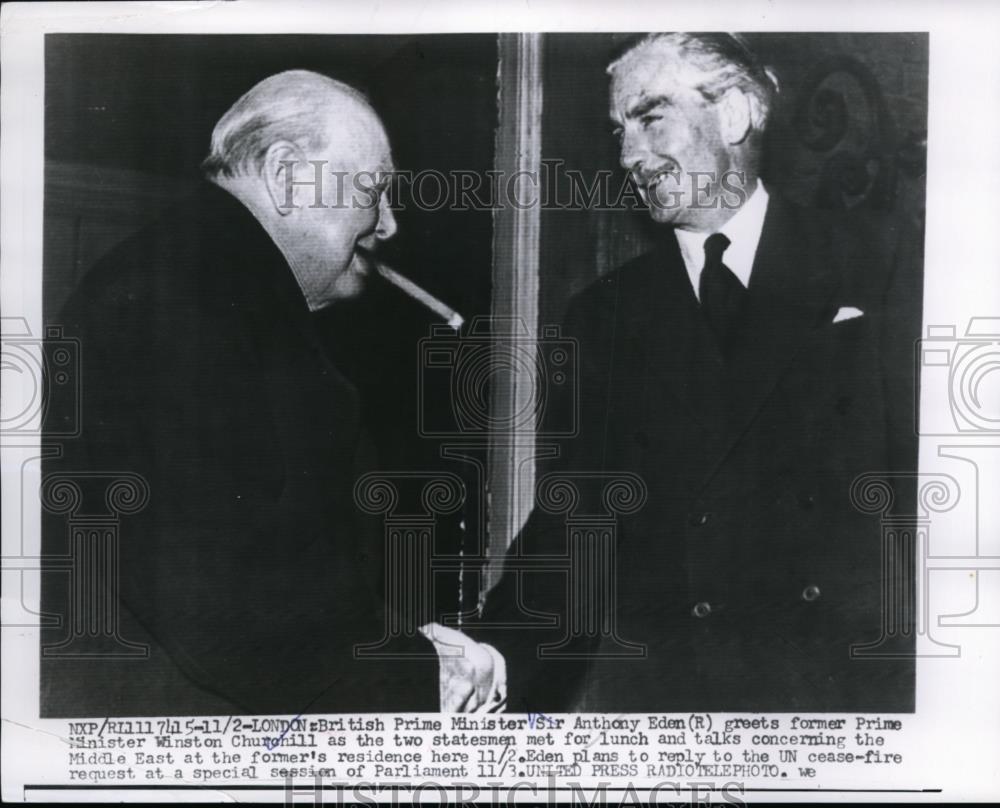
<point>286,175</point>
<point>735,116</point>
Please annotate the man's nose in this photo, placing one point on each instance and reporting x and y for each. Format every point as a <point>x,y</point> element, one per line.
<point>632,151</point>
<point>386,228</point>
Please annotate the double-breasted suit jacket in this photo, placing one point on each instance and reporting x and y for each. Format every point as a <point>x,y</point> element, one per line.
<point>749,573</point>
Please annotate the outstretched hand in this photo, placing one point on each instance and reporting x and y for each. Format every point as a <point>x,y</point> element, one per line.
<point>472,675</point>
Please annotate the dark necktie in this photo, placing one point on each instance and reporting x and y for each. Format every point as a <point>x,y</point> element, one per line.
<point>720,291</point>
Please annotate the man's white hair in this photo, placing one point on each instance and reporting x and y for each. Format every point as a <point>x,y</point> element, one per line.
<point>294,105</point>
<point>711,64</point>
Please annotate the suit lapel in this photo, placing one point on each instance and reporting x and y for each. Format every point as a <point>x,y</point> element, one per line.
<point>250,275</point>
<point>663,322</point>
<point>789,296</point>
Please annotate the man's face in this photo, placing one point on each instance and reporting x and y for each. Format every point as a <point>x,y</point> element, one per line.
<point>355,216</point>
<point>670,138</point>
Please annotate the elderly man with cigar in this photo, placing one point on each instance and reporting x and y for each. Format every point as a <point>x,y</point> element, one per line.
<point>249,574</point>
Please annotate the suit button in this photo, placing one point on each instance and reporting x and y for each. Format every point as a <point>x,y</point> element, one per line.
<point>806,501</point>
<point>698,519</point>
<point>702,609</point>
<point>810,593</point>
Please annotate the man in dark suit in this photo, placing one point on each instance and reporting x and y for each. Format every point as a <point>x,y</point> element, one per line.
<point>249,573</point>
<point>748,370</point>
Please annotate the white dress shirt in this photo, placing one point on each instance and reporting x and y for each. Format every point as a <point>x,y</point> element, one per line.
<point>743,231</point>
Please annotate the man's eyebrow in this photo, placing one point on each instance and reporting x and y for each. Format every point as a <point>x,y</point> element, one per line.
<point>649,103</point>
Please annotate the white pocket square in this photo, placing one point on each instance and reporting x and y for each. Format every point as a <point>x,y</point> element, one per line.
<point>847,313</point>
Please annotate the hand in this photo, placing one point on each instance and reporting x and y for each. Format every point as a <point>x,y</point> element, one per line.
<point>472,675</point>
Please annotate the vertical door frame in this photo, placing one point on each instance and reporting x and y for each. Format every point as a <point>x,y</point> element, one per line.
<point>516,230</point>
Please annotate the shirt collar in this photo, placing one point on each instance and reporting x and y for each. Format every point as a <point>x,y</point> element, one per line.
<point>743,231</point>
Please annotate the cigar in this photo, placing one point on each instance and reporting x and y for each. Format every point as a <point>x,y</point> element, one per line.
<point>404,284</point>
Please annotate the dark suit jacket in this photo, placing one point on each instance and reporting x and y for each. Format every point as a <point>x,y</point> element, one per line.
<point>748,573</point>
<point>249,572</point>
